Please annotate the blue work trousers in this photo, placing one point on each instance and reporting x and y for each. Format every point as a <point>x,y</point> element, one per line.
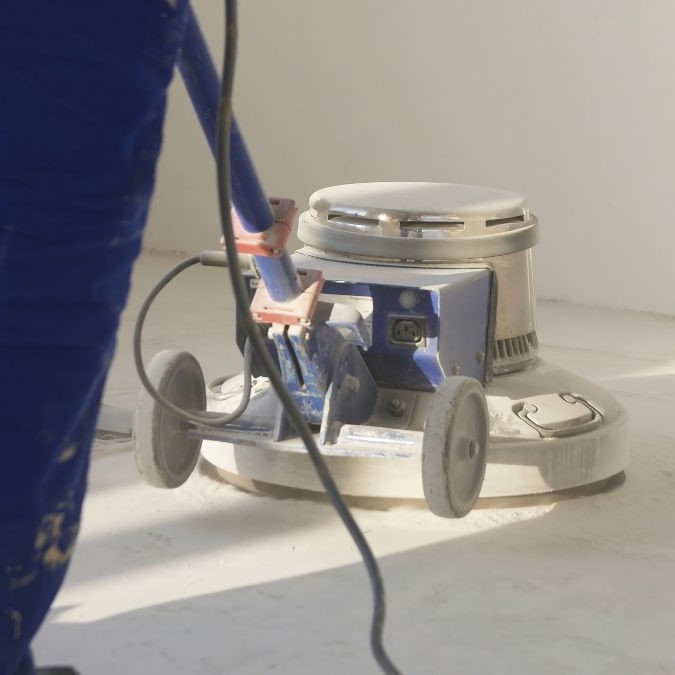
<point>82,99</point>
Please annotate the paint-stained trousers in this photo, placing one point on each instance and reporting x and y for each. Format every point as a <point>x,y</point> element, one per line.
<point>82,100</point>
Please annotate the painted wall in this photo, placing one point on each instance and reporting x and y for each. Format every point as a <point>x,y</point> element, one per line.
<point>569,102</point>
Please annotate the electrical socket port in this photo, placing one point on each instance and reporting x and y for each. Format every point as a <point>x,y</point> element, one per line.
<point>409,332</point>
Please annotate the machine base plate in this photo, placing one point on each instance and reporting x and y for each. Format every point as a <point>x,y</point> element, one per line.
<point>382,504</point>
<point>520,460</point>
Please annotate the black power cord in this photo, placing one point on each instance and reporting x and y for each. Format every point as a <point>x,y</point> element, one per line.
<point>205,420</point>
<point>260,349</point>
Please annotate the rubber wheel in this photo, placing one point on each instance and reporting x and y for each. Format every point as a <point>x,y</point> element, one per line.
<point>165,454</point>
<point>454,447</point>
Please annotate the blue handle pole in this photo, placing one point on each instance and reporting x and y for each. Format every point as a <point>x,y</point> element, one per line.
<point>203,86</point>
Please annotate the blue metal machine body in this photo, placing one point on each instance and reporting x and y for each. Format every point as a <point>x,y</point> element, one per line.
<point>453,315</point>
<point>337,370</point>
<point>451,341</point>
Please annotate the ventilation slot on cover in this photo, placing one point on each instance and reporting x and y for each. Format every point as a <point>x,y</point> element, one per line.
<point>345,219</point>
<point>359,221</point>
<point>515,353</point>
<point>433,224</point>
<point>511,220</point>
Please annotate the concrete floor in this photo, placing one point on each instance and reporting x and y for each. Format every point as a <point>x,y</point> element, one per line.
<point>208,579</point>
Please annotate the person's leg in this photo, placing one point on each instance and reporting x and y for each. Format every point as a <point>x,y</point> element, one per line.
<point>84,90</point>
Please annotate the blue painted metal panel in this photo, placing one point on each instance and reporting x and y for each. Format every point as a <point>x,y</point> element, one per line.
<point>306,364</point>
<point>403,366</point>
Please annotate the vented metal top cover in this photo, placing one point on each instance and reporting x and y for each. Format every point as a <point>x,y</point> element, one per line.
<point>418,221</point>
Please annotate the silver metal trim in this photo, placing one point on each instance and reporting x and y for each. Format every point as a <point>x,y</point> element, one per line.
<point>445,249</point>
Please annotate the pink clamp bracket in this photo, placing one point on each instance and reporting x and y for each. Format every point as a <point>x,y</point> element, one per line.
<point>272,242</point>
<point>299,311</point>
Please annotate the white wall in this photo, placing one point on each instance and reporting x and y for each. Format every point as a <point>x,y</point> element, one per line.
<point>569,102</point>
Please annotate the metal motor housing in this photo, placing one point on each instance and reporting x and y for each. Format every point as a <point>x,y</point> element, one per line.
<point>433,225</point>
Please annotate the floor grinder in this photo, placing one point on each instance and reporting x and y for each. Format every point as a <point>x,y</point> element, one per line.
<point>412,351</point>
